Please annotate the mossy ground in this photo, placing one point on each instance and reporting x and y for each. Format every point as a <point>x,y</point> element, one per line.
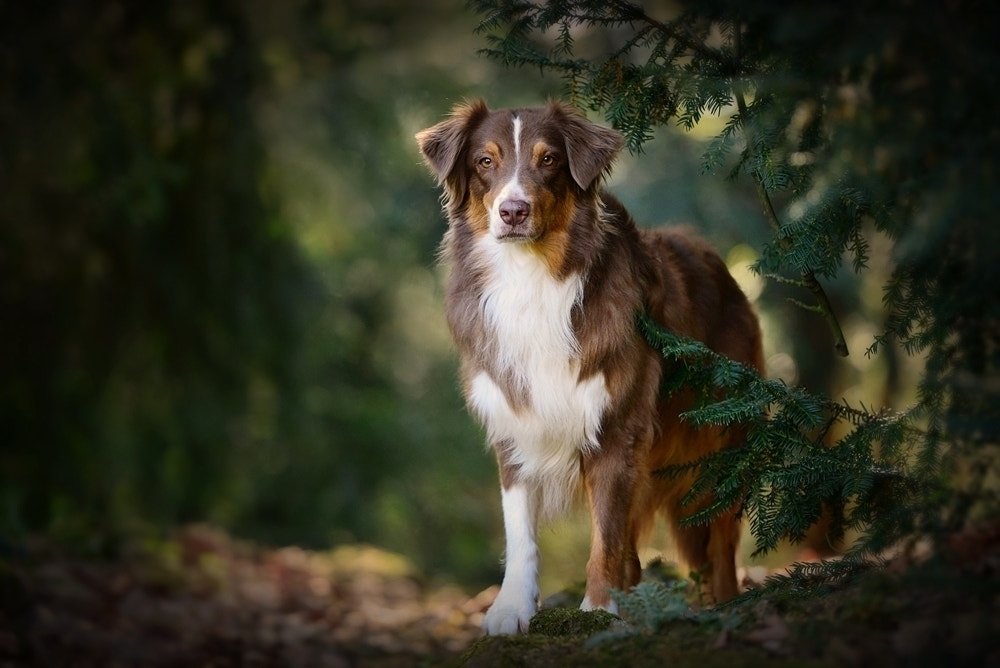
<point>943,612</point>
<point>565,637</point>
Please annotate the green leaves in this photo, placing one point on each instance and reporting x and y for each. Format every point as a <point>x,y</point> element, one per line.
<point>786,474</point>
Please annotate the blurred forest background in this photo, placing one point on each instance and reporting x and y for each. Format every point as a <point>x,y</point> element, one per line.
<point>219,298</point>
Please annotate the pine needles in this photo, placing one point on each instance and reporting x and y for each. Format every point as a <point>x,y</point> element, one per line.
<point>650,606</point>
<point>865,120</point>
<point>787,474</point>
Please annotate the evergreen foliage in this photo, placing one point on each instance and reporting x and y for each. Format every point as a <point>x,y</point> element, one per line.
<point>786,473</point>
<point>650,606</point>
<point>852,121</point>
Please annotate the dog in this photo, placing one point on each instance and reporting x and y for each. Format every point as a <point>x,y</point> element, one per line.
<point>547,273</point>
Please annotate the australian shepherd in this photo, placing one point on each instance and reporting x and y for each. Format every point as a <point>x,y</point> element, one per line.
<point>547,274</point>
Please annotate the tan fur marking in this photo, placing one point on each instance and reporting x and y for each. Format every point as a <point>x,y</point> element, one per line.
<point>492,149</point>
<point>479,216</point>
<point>538,151</point>
<point>555,215</point>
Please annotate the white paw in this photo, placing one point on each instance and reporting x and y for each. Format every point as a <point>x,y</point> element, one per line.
<point>611,607</point>
<point>509,615</point>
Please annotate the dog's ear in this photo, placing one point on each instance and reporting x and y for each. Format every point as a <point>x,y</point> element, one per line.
<point>442,145</point>
<point>590,148</point>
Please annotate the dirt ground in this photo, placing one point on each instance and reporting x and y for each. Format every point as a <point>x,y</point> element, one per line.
<point>201,598</point>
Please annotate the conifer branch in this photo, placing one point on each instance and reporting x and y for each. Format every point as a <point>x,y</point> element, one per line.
<point>693,45</point>
<point>778,278</point>
<point>826,308</point>
<point>786,472</point>
<point>814,308</point>
<point>823,305</point>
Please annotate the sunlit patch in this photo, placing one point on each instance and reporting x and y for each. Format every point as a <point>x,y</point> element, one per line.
<point>740,260</point>
<point>782,366</point>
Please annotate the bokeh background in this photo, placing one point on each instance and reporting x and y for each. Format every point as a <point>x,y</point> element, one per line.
<point>219,294</point>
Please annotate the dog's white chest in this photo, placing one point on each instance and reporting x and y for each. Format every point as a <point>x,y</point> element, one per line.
<point>530,314</point>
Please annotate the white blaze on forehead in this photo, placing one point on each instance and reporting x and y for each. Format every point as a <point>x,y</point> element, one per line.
<point>517,142</point>
<point>514,185</point>
<point>512,190</point>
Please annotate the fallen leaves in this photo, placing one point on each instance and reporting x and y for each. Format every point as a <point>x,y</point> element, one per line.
<point>205,599</point>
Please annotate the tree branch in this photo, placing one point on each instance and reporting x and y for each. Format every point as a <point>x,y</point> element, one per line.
<point>823,305</point>
<point>694,45</point>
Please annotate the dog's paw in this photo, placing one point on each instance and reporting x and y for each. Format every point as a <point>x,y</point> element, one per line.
<point>611,606</point>
<point>508,615</point>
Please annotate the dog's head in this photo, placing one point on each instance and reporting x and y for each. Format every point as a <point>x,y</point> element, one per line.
<point>518,173</point>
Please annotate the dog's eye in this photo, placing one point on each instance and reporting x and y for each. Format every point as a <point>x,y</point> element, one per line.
<point>486,162</point>
<point>548,160</point>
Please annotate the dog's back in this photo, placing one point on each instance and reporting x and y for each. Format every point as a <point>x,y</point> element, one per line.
<point>548,273</point>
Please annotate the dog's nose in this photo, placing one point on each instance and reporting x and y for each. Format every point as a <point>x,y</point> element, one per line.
<point>514,211</point>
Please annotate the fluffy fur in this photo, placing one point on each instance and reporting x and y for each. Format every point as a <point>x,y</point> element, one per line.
<point>547,273</point>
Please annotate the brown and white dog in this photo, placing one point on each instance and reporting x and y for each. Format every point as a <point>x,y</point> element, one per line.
<point>547,274</point>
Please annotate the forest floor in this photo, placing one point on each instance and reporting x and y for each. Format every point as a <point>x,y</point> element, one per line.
<point>202,598</point>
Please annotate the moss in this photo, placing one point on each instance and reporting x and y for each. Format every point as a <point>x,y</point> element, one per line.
<point>554,637</point>
<point>636,651</point>
<point>570,622</point>
<point>558,637</point>
<point>520,650</point>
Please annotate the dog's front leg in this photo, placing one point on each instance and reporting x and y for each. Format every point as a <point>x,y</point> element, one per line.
<point>614,562</point>
<point>517,601</point>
